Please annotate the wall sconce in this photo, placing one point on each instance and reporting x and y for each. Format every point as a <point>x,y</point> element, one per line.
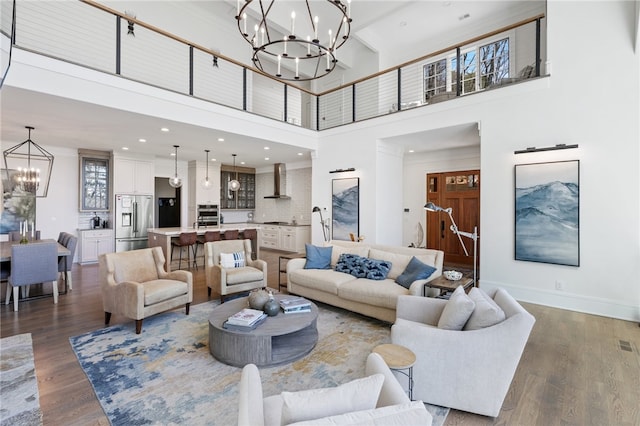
<point>350,169</point>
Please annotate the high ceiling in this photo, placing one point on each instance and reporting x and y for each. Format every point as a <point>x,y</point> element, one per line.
<point>396,31</point>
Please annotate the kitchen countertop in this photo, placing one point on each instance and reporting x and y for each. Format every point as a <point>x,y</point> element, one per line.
<point>177,230</point>
<point>283,224</point>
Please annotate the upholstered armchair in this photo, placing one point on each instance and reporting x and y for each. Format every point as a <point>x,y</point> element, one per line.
<point>135,284</point>
<point>469,370</point>
<point>229,267</point>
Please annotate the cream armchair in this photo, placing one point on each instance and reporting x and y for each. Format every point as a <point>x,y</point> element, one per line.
<point>466,370</point>
<point>228,280</point>
<point>134,284</point>
<point>387,401</point>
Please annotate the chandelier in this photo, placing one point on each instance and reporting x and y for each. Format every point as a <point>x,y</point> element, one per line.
<point>290,40</point>
<point>24,171</point>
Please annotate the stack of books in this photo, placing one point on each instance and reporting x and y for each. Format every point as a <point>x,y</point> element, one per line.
<point>245,320</point>
<point>295,305</point>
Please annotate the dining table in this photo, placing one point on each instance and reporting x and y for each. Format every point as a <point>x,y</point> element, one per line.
<point>5,254</point>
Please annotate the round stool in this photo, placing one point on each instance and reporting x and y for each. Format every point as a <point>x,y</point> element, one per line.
<point>398,358</point>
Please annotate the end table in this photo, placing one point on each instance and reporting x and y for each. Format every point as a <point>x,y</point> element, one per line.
<point>398,358</point>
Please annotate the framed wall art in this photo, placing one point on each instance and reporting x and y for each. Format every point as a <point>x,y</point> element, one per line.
<point>547,212</point>
<point>345,204</point>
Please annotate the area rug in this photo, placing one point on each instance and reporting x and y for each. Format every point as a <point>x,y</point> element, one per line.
<point>18,382</point>
<point>167,376</point>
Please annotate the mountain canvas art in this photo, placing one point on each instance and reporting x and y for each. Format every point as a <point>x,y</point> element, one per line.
<point>547,216</point>
<point>345,203</point>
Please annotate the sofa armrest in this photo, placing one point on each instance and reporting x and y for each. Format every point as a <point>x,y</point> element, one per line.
<point>130,299</point>
<point>425,310</point>
<point>250,411</point>
<point>295,264</point>
<point>391,392</point>
<point>184,276</point>
<point>258,264</point>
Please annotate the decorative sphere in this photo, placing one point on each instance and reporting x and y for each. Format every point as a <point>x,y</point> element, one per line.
<point>234,185</point>
<point>207,184</point>
<point>175,181</point>
<point>257,299</point>
<point>272,307</point>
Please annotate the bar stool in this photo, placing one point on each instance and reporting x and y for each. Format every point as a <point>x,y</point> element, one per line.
<point>208,237</point>
<point>252,234</point>
<point>231,234</point>
<point>189,240</point>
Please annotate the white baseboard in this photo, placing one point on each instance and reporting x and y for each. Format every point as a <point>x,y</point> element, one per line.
<point>573,302</point>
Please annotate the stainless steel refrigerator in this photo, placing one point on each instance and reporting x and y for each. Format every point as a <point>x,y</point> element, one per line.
<point>134,214</point>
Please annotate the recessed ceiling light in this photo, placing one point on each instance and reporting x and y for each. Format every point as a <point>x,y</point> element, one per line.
<point>213,159</point>
<point>266,158</point>
<point>411,150</point>
<point>242,162</point>
<point>267,148</point>
<point>125,148</point>
<point>173,154</point>
<point>220,139</point>
<point>299,153</point>
<point>164,129</point>
<point>142,140</point>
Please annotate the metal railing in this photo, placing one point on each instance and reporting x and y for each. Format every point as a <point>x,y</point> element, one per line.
<point>92,35</point>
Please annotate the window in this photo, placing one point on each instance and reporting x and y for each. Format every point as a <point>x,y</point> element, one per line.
<point>480,67</point>
<point>94,180</point>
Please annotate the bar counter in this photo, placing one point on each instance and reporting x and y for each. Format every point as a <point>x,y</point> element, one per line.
<point>162,236</point>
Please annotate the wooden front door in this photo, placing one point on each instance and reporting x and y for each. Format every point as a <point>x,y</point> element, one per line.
<point>461,191</point>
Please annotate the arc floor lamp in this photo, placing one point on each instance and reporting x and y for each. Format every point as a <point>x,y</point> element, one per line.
<point>454,228</point>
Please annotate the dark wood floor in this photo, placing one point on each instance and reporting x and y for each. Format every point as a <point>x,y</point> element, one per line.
<point>574,370</point>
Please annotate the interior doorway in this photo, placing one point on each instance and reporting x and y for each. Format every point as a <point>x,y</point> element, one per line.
<point>459,190</point>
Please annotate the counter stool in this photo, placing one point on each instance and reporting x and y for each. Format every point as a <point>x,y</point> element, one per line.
<point>189,240</point>
<point>208,237</point>
<point>252,234</point>
<point>398,358</point>
<point>231,234</point>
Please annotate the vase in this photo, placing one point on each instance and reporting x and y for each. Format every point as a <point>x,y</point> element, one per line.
<point>257,299</point>
<point>272,307</point>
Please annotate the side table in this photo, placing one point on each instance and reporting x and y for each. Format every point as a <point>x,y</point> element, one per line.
<point>446,285</point>
<point>282,269</point>
<point>398,358</point>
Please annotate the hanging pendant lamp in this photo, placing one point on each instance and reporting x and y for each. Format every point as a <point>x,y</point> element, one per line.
<point>234,185</point>
<point>206,183</point>
<point>176,181</point>
<point>22,164</point>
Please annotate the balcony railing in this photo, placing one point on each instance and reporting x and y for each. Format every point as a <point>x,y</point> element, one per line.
<point>94,36</point>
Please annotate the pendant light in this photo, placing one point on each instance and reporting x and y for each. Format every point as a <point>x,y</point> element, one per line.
<point>176,181</point>
<point>206,183</point>
<point>234,185</point>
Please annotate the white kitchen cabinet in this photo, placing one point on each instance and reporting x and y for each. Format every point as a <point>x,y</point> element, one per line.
<point>133,176</point>
<point>285,238</point>
<point>93,243</point>
<point>197,193</point>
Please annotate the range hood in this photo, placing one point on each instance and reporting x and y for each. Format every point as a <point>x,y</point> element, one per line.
<point>279,182</point>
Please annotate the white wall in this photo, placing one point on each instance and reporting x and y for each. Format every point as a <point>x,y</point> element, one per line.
<point>574,105</point>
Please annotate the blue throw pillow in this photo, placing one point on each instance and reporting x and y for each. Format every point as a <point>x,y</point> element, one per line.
<point>317,257</point>
<point>363,267</point>
<point>415,270</point>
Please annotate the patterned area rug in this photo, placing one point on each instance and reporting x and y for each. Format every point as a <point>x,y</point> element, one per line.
<point>166,375</point>
<point>18,383</point>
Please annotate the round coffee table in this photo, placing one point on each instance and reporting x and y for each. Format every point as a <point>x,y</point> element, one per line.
<point>279,340</point>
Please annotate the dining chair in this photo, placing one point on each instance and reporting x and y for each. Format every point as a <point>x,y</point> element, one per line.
<point>230,234</point>
<point>188,240</point>
<point>65,263</point>
<point>32,264</point>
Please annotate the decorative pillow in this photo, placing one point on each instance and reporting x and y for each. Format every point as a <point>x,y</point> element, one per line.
<point>363,267</point>
<point>232,260</point>
<point>415,270</point>
<point>317,257</point>
<point>457,311</point>
<point>357,395</point>
<point>355,248</point>
<point>486,313</point>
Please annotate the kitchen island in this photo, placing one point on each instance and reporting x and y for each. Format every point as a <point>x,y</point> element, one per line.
<point>162,236</point>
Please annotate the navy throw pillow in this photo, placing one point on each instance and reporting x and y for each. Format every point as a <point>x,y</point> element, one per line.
<point>415,270</point>
<point>317,257</point>
<point>363,267</point>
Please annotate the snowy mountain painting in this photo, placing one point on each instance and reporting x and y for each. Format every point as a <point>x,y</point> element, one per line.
<point>547,212</point>
<point>345,202</point>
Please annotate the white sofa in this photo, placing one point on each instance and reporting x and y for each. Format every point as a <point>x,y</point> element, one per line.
<point>376,299</point>
<point>388,404</point>
<point>469,370</point>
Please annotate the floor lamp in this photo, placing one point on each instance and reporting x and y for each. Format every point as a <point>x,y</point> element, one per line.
<point>474,236</point>
<point>317,209</point>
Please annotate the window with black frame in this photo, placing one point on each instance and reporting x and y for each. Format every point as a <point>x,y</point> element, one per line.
<point>94,180</point>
